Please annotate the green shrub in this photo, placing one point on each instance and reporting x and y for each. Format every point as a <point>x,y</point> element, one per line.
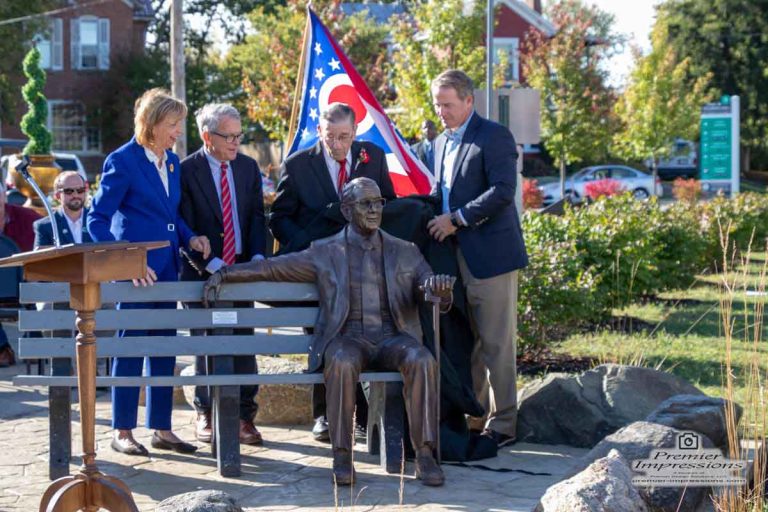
<point>682,246</point>
<point>34,122</point>
<point>612,252</point>
<point>556,291</point>
<point>613,236</point>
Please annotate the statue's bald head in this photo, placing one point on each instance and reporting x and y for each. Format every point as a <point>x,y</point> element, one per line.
<point>362,204</point>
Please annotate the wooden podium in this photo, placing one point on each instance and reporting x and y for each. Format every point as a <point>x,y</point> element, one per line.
<point>84,267</point>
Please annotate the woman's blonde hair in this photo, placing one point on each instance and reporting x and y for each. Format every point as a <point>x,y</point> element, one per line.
<point>152,107</point>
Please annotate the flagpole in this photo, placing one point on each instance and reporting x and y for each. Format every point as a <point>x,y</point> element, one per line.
<point>299,82</point>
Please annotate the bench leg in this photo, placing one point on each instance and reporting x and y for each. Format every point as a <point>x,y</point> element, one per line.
<point>387,424</point>
<point>226,420</point>
<point>59,422</point>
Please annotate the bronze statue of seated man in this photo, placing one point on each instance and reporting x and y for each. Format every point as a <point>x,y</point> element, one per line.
<point>369,283</point>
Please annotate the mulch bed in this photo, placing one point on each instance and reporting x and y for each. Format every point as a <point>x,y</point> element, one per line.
<point>545,361</point>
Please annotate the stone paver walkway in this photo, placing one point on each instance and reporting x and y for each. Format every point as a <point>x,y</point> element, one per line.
<point>290,472</point>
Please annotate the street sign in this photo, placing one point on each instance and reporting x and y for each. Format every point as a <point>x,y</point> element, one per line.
<point>720,146</point>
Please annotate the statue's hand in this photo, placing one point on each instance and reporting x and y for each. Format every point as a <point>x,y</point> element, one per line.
<point>440,285</point>
<point>212,288</point>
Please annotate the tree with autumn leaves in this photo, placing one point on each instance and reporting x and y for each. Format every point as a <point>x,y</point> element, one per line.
<point>569,70</point>
<point>660,102</point>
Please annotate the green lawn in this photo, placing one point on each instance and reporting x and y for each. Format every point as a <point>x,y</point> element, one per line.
<point>683,332</point>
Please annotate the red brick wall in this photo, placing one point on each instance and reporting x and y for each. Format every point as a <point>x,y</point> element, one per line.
<point>510,24</point>
<point>88,86</point>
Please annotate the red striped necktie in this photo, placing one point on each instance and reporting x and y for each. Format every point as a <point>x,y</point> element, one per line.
<point>228,254</point>
<point>342,174</point>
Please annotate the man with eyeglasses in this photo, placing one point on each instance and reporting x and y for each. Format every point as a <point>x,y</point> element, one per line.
<point>307,203</point>
<point>368,318</point>
<point>70,190</point>
<point>221,198</point>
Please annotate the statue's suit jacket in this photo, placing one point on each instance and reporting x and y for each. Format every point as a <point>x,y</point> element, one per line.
<point>325,263</point>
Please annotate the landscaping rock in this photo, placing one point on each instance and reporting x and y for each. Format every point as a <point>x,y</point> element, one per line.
<point>635,441</point>
<point>199,501</point>
<point>605,486</point>
<point>580,410</point>
<point>284,404</point>
<point>702,414</point>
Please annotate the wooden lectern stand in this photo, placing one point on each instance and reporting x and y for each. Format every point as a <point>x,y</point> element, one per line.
<point>84,267</point>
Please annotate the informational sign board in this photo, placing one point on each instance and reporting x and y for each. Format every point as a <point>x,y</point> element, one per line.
<point>720,146</point>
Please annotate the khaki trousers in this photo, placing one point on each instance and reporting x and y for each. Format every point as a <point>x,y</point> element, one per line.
<point>492,307</point>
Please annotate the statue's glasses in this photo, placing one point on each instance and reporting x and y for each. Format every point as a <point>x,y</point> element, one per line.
<point>371,204</point>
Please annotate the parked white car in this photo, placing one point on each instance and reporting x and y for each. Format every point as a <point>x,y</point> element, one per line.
<point>640,183</point>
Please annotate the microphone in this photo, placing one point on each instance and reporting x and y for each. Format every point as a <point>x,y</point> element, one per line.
<point>23,169</point>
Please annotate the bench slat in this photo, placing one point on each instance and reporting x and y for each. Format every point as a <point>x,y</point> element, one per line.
<point>171,318</point>
<point>159,346</point>
<point>199,380</point>
<point>185,291</point>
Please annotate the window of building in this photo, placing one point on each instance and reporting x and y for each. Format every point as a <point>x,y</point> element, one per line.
<point>90,42</point>
<point>51,47</point>
<point>68,123</point>
<point>509,46</point>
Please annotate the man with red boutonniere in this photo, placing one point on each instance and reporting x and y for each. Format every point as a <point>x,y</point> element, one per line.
<point>307,205</point>
<point>311,180</point>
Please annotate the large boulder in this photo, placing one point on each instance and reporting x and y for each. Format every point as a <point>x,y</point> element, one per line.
<point>283,404</point>
<point>636,441</point>
<point>605,486</point>
<point>580,410</point>
<point>703,414</point>
<point>199,501</point>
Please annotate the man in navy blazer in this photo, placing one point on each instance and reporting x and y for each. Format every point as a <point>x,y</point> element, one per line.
<point>476,171</point>
<point>202,196</point>
<point>70,190</point>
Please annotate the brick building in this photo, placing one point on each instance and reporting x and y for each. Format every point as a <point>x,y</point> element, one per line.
<point>81,52</point>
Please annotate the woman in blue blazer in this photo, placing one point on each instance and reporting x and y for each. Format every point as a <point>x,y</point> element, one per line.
<point>138,201</point>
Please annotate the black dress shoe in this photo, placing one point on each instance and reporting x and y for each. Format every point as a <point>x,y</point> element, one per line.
<point>320,430</point>
<point>499,438</point>
<point>129,446</point>
<point>177,446</point>
<point>361,433</point>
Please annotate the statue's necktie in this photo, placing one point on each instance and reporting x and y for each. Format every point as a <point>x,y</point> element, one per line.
<point>370,293</point>
<point>228,254</point>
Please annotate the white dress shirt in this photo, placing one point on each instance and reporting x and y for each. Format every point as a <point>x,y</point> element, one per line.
<point>159,164</point>
<point>75,227</point>
<point>334,166</point>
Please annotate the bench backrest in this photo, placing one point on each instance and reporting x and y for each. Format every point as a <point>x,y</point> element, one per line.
<point>222,319</point>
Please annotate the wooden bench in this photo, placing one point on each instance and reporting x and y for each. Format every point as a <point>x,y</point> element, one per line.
<point>386,417</point>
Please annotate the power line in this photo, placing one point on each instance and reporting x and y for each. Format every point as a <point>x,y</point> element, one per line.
<point>55,11</point>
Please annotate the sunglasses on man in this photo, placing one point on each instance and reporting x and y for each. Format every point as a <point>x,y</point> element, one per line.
<point>70,191</point>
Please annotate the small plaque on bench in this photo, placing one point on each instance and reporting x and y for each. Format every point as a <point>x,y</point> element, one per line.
<point>224,318</point>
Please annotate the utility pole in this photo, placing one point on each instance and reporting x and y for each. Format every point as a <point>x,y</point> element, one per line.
<point>489,61</point>
<point>177,69</point>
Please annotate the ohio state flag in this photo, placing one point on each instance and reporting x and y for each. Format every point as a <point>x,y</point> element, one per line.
<point>328,76</point>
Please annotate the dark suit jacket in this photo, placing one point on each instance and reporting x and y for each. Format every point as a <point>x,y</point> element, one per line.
<point>132,205</point>
<point>201,210</point>
<point>44,230</point>
<point>325,263</point>
<point>485,178</point>
<point>305,189</point>
<point>420,148</point>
